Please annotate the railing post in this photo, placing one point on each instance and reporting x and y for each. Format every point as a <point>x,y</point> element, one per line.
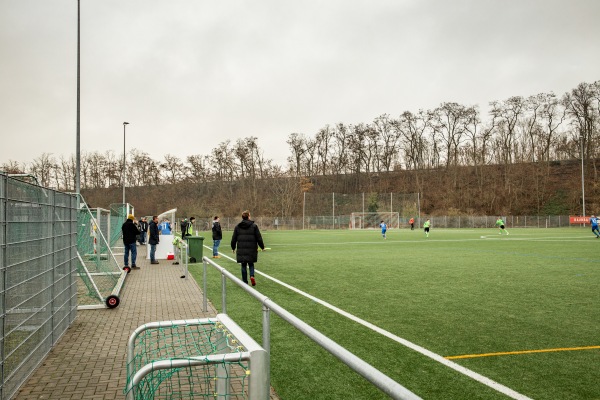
<point>266,342</point>
<point>204,301</point>
<point>223,294</point>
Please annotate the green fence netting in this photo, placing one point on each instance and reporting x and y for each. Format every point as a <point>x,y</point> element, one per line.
<point>98,270</point>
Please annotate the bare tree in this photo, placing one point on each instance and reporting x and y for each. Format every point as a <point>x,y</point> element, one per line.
<point>43,168</point>
<point>297,143</point>
<point>507,113</point>
<point>323,143</point>
<point>223,162</point>
<point>199,171</point>
<point>13,167</point>
<point>390,141</point>
<point>172,169</point>
<point>448,122</point>
<point>339,161</point>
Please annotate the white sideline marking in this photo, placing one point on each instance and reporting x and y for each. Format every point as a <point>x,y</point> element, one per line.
<point>436,357</point>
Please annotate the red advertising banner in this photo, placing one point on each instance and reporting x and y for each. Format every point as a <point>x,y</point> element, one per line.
<point>578,220</point>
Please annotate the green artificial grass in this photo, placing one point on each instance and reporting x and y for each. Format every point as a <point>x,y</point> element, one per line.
<point>458,292</point>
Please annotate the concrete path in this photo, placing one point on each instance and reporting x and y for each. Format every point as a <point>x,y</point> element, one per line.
<point>89,361</point>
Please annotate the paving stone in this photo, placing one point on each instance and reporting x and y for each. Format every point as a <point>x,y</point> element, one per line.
<point>88,362</point>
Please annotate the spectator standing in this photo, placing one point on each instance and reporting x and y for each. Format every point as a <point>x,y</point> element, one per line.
<point>245,242</point>
<point>411,221</point>
<point>143,230</point>
<point>217,235</point>
<point>130,231</point>
<point>154,239</point>
<point>188,228</point>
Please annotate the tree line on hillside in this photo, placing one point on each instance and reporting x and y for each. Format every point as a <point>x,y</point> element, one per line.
<point>535,129</point>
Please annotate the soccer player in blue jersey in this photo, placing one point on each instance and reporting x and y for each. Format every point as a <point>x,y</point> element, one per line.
<point>383,227</point>
<point>594,223</point>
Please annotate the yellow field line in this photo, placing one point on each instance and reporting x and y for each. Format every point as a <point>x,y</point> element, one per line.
<point>506,353</point>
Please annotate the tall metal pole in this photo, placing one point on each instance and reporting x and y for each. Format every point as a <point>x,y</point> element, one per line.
<point>78,148</point>
<point>124,161</point>
<point>582,180</point>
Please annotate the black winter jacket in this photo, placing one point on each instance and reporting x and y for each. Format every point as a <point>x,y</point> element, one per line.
<point>154,238</point>
<point>130,231</point>
<point>245,241</point>
<point>217,234</point>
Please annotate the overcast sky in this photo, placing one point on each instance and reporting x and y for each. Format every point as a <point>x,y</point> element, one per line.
<point>190,74</point>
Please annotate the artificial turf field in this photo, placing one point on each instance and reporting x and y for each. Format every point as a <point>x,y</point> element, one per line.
<point>459,292</point>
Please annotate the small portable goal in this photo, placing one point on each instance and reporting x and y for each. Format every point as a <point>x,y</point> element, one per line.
<point>200,358</point>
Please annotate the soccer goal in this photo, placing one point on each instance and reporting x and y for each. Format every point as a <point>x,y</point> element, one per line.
<point>371,220</point>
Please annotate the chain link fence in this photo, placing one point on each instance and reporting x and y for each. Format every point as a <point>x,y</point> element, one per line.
<point>345,222</point>
<point>38,283</point>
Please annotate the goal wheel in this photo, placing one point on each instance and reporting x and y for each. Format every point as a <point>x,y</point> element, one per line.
<point>193,260</point>
<point>127,269</point>
<point>112,301</point>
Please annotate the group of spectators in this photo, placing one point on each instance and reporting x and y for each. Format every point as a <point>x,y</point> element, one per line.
<point>245,241</point>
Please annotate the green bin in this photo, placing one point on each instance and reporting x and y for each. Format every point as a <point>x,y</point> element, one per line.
<point>195,246</point>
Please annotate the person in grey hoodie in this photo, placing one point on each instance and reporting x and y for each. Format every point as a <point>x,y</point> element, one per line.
<point>245,242</point>
<point>217,235</point>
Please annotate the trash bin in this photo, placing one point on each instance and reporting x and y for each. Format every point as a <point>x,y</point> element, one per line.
<point>195,246</point>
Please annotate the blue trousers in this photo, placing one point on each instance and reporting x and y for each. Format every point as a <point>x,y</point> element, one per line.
<point>216,244</point>
<point>152,252</point>
<point>131,247</point>
<point>245,272</point>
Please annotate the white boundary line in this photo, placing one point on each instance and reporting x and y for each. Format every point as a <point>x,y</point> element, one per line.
<point>436,357</point>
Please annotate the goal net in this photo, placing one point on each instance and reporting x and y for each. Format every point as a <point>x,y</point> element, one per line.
<point>371,220</point>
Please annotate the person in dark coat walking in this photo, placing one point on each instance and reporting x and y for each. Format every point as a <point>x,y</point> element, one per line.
<point>130,231</point>
<point>217,235</point>
<point>154,239</point>
<point>245,242</point>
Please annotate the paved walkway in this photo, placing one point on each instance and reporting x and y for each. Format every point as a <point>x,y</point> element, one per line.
<point>89,361</point>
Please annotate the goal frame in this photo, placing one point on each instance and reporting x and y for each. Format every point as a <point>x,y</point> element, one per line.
<point>371,220</point>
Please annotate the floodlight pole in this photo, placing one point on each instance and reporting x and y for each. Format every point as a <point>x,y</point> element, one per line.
<point>78,134</point>
<point>124,161</point>
<point>582,179</point>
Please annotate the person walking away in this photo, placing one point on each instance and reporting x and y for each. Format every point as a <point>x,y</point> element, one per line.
<point>594,222</point>
<point>217,235</point>
<point>500,225</point>
<point>143,230</point>
<point>383,227</point>
<point>245,242</point>
<point>426,226</point>
<point>412,224</point>
<point>130,231</point>
<point>154,239</point>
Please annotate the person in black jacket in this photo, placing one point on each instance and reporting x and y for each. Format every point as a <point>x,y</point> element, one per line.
<point>130,231</point>
<point>217,235</point>
<point>143,230</point>
<point>245,242</point>
<point>154,239</point>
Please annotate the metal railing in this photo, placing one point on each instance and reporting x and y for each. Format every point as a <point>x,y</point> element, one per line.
<point>383,382</point>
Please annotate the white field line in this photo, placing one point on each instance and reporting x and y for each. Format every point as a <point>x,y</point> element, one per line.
<point>436,357</point>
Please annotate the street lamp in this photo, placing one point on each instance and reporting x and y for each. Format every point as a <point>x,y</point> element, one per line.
<point>124,161</point>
